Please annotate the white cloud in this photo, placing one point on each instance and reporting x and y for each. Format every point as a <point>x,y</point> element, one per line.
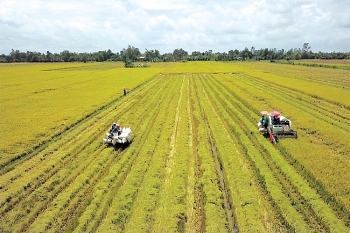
<point>161,4</point>
<point>161,22</point>
<point>92,25</point>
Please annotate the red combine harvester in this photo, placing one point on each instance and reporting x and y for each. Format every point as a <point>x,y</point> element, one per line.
<point>275,126</point>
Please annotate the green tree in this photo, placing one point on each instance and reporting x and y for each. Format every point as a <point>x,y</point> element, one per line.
<point>180,54</point>
<point>131,53</point>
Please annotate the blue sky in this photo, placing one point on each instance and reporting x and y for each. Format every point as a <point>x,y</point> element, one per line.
<point>91,25</point>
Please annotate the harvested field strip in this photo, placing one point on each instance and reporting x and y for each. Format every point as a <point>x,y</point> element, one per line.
<point>121,206</point>
<point>171,206</point>
<point>316,141</point>
<point>50,187</point>
<point>195,213</point>
<point>109,185</point>
<point>227,202</point>
<point>326,215</point>
<point>59,213</point>
<point>39,169</point>
<point>240,180</point>
<point>208,180</point>
<point>275,181</point>
<point>253,159</point>
<point>143,214</point>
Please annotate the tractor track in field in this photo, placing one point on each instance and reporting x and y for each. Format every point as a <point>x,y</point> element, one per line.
<point>169,163</point>
<point>6,167</point>
<point>299,202</point>
<point>227,201</point>
<point>196,218</point>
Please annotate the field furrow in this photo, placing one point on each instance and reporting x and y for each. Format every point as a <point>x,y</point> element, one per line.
<point>194,192</point>
<point>222,177</point>
<point>214,203</point>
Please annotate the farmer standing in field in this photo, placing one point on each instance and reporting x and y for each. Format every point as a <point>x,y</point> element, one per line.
<point>124,91</point>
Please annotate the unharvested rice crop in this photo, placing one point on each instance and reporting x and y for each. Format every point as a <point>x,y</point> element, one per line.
<point>197,162</point>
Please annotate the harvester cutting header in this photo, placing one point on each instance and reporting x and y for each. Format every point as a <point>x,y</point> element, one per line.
<point>275,126</point>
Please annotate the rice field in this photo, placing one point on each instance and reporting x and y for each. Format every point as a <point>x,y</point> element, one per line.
<point>197,162</point>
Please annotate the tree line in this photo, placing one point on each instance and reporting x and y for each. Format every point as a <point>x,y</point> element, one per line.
<point>133,54</point>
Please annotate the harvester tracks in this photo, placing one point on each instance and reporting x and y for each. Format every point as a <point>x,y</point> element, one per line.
<point>286,186</point>
<point>196,216</point>
<point>120,216</point>
<point>311,215</point>
<point>228,204</point>
<point>119,179</point>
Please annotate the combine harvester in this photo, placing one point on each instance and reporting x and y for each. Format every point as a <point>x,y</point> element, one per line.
<point>275,126</point>
<point>120,136</point>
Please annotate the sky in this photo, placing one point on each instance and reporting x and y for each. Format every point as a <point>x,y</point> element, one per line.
<point>166,25</point>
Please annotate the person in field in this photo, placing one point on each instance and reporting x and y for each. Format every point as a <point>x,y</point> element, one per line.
<point>262,119</point>
<point>266,122</point>
<point>115,129</point>
<point>124,91</point>
<point>276,120</point>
